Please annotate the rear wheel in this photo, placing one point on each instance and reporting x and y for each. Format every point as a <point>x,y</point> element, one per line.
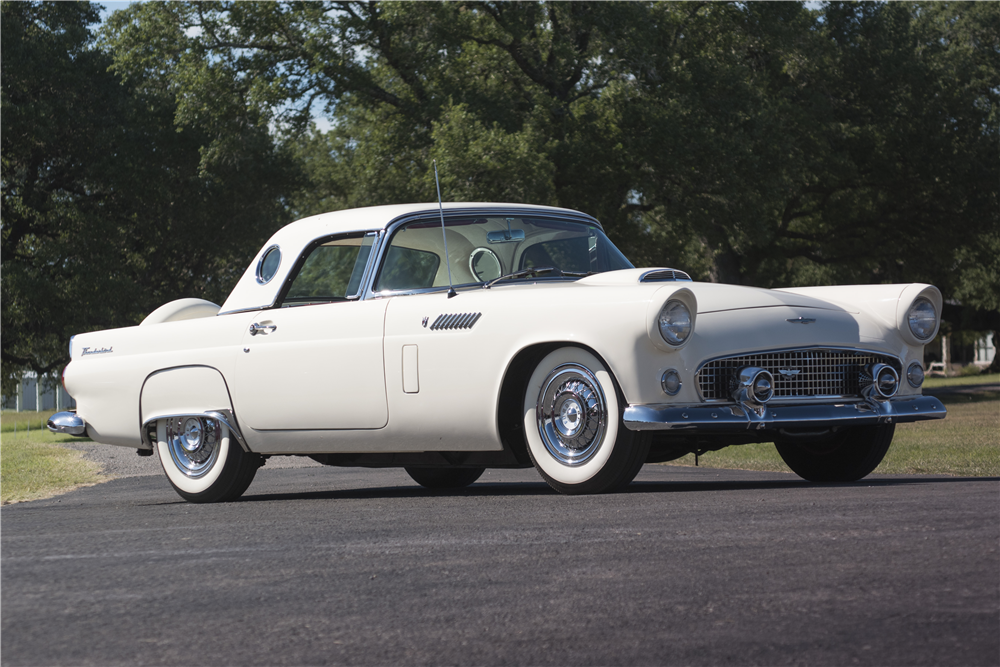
<point>573,425</point>
<point>444,478</point>
<point>202,461</point>
<point>845,457</point>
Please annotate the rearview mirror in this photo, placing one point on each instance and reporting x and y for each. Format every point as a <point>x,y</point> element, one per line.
<point>506,236</point>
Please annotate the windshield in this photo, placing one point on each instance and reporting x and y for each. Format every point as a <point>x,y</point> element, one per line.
<point>481,249</point>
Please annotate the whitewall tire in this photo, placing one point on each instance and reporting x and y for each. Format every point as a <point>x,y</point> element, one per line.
<point>202,461</point>
<point>573,425</point>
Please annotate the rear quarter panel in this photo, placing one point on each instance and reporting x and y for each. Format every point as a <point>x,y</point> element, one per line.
<point>107,386</point>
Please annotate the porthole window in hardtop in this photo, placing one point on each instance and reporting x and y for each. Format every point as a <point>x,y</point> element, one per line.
<point>268,265</point>
<point>484,248</point>
<point>332,271</point>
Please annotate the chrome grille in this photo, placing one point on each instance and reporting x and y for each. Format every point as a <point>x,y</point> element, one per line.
<point>798,374</point>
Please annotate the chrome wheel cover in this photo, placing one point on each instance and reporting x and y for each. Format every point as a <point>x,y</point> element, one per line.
<point>571,414</point>
<point>194,444</point>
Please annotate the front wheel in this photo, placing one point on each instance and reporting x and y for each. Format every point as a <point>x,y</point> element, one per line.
<point>573,425</point>
<point>202,461</point>
<point>844,457</point>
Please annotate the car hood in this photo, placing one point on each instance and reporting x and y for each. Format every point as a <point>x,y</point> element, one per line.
<point>713,297</point>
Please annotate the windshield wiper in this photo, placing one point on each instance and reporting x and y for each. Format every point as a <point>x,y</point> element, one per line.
<point>523,273</point>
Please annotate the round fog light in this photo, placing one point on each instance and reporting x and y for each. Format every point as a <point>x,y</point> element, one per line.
<point>915,374</point>
<point>762,388</point>
<point>671,382</point>
<point>886,380</point>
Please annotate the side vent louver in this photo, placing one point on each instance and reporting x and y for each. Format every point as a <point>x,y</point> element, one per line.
<point>456,321</point>
<point>663,276</point>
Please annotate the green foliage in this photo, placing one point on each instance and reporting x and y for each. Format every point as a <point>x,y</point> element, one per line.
<point>758,143</point>
<point>108,210</point>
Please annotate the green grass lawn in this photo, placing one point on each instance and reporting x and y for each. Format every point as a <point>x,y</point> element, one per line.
<point>962,380</point>
<point>965,443</point>
<point>33,465</point>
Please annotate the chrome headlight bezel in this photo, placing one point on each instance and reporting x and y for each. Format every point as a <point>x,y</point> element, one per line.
<point>913,297</point>
<point>921,326</point>
<point>659,300</point>
<point>675,322</point>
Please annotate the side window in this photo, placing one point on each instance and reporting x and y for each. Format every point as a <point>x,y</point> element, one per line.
<point>407,268</point>
<point>332,271</point>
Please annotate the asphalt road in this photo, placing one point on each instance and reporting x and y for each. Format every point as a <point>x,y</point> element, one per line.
<point>689,566</point>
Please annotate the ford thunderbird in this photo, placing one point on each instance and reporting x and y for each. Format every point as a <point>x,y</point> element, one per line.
<point>450,339</point>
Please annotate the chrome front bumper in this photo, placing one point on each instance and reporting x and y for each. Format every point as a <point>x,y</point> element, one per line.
<point>736,418</point>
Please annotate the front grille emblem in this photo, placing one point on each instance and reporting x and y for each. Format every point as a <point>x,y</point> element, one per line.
<point>801,320</point>
<point>789,373</point>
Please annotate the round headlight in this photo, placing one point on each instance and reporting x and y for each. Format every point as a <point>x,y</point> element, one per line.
<point>922,318</point>
<point>915,375</point>
<point>675,322</point>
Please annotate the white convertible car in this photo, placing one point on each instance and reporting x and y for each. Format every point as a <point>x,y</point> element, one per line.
<point>449,340</point>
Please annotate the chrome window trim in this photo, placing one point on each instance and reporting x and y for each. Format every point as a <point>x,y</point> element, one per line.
<point>260,264</point>
<point>395,224</point>
<point>817,398</point>
<point>363,290</point>
<point>366,276</point>
<point>383,233</point>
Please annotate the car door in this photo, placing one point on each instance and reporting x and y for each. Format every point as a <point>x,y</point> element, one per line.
<point>315,361</point>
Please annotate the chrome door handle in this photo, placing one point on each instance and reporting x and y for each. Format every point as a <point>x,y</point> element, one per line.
<point>262,328</point>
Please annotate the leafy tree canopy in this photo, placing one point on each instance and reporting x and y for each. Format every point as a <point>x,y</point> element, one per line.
<point>755,142</point>
<point>108,209</point>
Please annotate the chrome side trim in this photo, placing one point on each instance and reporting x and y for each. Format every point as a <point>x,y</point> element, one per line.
<point>734,419</point>
<point>224,416</point>
<point>67,422</point>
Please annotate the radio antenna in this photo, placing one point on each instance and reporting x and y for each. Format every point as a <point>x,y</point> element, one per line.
<point>451,288</point>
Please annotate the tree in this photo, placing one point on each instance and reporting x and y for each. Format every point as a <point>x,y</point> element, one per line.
<point>759,143</point>
<point>107,210</point>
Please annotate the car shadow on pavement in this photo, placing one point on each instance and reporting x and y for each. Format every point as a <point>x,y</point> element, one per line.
<point>497,489</point>
<point>792,484</point>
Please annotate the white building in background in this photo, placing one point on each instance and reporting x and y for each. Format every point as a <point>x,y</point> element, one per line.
<point>986,351</point>
<point>33,395</point>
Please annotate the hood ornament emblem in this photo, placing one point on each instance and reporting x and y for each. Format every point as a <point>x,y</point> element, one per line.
<point>801,320</point>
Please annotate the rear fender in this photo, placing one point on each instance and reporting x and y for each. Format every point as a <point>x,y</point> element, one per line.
<point>186,390</point>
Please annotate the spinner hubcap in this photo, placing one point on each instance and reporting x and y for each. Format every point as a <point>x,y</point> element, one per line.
<point>572,414</point>
<point>194,444</point>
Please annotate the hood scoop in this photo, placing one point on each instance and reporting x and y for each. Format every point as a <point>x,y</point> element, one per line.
<point>664,276</point>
